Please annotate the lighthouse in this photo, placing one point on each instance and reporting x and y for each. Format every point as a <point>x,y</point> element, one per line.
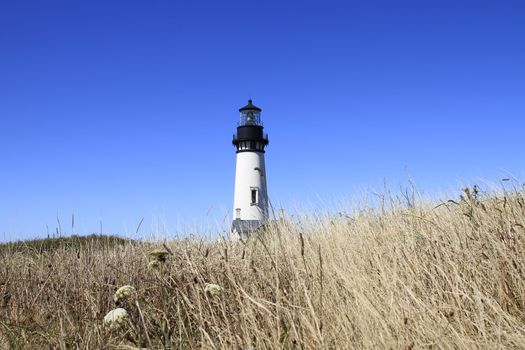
<point>250,203</point>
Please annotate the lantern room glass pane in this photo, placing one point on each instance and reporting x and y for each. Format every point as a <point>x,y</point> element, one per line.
<point>250,118</point>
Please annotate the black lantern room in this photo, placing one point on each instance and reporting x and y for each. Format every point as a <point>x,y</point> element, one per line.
<point>250,136</point>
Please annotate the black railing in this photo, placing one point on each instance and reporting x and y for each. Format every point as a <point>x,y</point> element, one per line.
<point>264,138</point>
<point>245,123</point>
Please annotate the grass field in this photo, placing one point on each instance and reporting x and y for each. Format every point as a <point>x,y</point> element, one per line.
<point>404,275</point>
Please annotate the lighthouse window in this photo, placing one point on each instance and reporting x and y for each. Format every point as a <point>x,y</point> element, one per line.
<point>252,144</point>
<point>254,196</point>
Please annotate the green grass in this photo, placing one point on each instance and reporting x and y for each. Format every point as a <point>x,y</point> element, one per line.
<point>46,245</point>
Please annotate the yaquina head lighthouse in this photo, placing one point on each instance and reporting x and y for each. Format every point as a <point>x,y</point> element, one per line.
<point>250,204</point>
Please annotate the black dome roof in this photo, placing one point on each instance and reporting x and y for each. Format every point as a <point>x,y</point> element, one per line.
<point>250,107</point>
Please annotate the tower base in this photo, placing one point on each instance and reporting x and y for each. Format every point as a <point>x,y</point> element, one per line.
<point>241,229</point>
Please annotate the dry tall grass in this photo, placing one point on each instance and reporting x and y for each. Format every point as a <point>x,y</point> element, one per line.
<point>411,277</point>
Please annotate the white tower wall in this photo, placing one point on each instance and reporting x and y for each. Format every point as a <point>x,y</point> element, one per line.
<point>250,202</point>
<point>250,175</point>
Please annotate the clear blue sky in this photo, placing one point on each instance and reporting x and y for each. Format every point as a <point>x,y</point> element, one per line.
<point>118,110</point>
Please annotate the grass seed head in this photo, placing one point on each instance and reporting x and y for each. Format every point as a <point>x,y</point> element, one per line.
<point>154,265</point>
<point>159,254</point>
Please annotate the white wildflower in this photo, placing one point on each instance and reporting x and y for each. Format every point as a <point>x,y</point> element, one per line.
<point>115,318</point>
<point>213,289</point>
<point>124,292</point>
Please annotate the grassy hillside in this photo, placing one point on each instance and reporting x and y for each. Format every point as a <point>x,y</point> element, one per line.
<point>46,245</point>
<point>404,276</point>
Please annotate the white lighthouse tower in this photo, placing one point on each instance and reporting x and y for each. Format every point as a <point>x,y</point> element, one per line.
<point>250,204</point>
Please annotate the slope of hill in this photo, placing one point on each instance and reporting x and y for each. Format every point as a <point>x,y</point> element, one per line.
<point>406,276</point>
<point>46,245</point>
